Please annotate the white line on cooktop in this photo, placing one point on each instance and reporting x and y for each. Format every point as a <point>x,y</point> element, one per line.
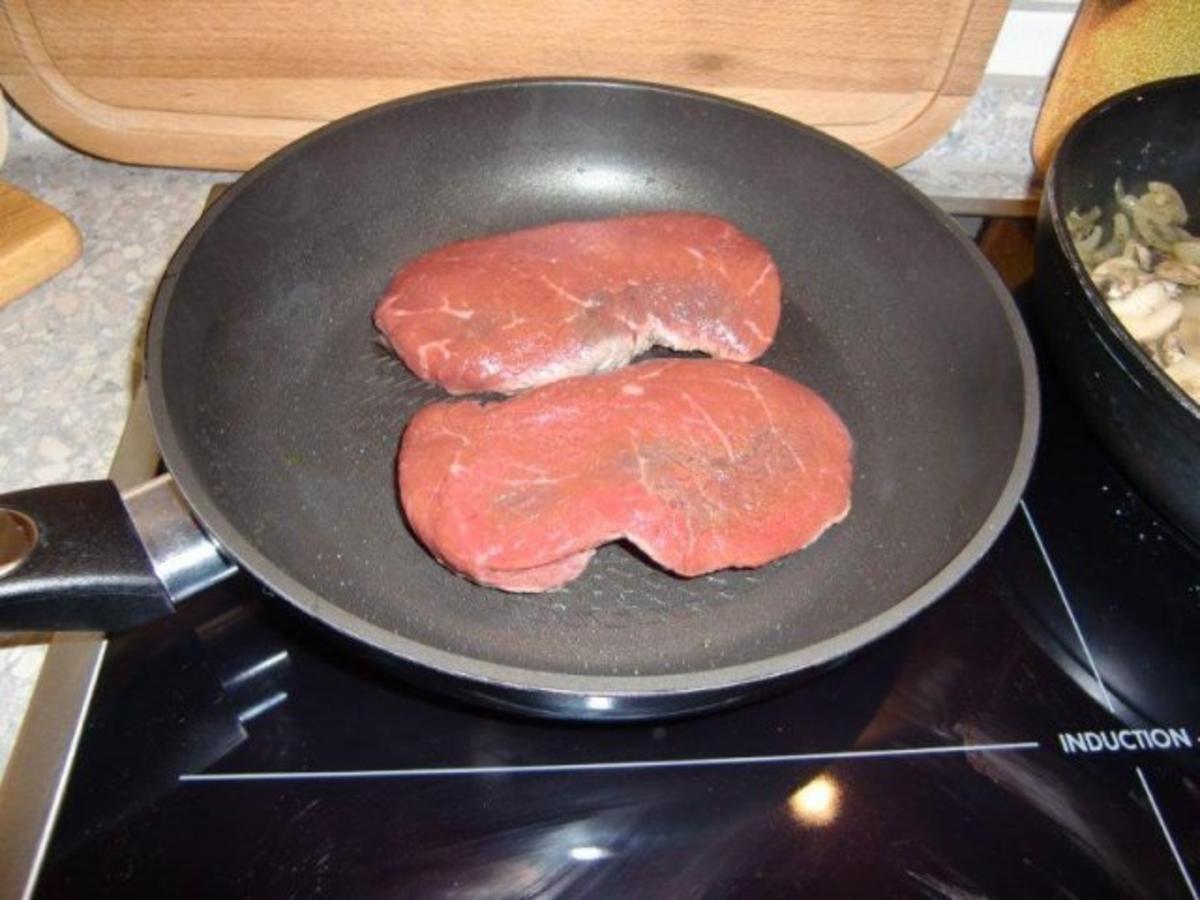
<point>1037,536</point>
<point>623,765</point>
<point>1167,834</point>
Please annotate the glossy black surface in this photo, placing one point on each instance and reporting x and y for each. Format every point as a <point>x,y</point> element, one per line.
<point>88,571</point>
<point>912,814</point>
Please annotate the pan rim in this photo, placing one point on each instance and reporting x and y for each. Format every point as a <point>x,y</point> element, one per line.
<point>487,674</point>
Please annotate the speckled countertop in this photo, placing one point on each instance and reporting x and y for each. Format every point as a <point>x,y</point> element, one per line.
<point>69,349</point>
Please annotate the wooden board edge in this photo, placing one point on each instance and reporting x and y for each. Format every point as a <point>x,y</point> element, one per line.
<point>152,137</point>
<point>202,149</point>
<point>980,29</point>
<point>144,137</point>
<point>37,242</point>
<point>893,140</point>
<point>961,79</point>
<point>909,141</point>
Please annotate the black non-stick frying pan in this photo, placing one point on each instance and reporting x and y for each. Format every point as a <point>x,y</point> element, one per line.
<point>278,412</point>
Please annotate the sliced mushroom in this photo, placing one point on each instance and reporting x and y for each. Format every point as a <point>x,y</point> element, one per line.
<point>1187,251</point>
<point>1166,202</point>
<point>1149,272</point>
<point>1178,272</point>
<point>1152,228</point>
<point>1118,276</point>
<point>1168,351</point>
<point>1185,372</point>
<point>1115,245</point>
<point>1148,312</point>
<point>1143,255</point>
<point>1188,332</point>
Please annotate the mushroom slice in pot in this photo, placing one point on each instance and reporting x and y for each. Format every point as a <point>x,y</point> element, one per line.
<point>1119,275</point>
<point>1185,372</point>
<point>1187,251</point>
<point>1148,312</point>
<point>1178,272</point>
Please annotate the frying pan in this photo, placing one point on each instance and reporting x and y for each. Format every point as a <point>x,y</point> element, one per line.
<point>278,412</point>
<point>1148,423</point>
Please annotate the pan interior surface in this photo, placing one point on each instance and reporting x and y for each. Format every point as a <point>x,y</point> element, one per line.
<point>280,412</point>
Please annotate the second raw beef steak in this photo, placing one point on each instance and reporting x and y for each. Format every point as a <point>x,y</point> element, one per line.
<point>701,464</point>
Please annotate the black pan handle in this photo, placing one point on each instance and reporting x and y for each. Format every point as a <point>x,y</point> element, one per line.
<point>82,557</point>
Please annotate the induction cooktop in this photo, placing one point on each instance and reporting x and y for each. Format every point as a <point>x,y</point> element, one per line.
<point>1036,733</point>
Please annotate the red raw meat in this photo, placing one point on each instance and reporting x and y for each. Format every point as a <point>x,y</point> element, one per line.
<point>702,464</point>
<point>514,311</point>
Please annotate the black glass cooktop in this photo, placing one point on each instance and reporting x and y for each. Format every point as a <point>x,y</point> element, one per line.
<point>1034,734</point>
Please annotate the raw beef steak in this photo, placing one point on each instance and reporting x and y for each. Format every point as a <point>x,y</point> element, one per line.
<point>702,464</point>
<point>513,311</point>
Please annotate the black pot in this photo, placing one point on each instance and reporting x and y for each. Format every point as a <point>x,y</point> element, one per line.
<point>1151,427</point>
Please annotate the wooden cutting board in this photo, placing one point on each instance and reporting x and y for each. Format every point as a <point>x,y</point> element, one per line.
<point>221,84</point>
<point>36,242</point>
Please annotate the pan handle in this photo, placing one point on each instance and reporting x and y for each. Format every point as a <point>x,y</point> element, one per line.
<point>83,557</point>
